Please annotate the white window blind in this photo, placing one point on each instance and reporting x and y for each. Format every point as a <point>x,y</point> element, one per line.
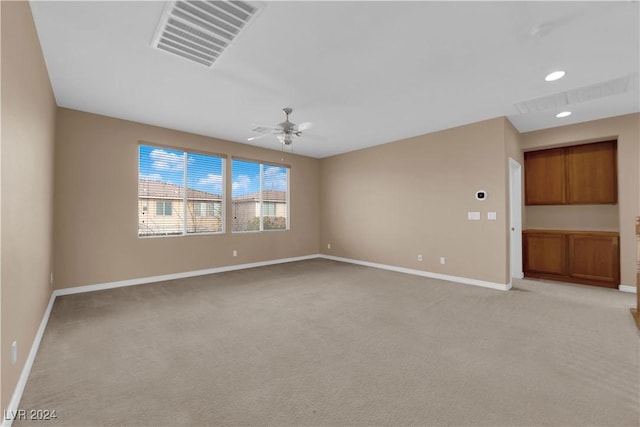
<point>204,193</point>
<point>179,192</point>
<point>260,196</point>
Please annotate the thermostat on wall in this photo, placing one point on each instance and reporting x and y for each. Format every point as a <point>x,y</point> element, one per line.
<point>481,195</point>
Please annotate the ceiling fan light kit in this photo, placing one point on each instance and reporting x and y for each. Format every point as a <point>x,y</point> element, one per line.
<point>285,139</point>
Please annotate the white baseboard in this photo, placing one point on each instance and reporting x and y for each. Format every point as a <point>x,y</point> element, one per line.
<point>626,288</point>
<point>173,276</point>
<point>464,280</point>
<point>14,404</point>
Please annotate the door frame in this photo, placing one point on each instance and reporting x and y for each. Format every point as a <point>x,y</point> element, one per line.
<point>515,220</point>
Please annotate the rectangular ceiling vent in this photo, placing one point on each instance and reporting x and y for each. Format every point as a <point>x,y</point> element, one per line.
<point>575,96</point>
<point>201,30</point>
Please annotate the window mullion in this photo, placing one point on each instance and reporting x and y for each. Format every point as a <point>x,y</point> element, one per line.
<point>223,202</point>
<point>260,197</point>
<point>184,195</point>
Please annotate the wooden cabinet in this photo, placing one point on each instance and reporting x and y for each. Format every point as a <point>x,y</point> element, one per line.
<point>587,257</point>
<point>591,173</point>
<point>545,253</point>
<point>594,257</point>
<point>544,177</point>
<point>580,174</point>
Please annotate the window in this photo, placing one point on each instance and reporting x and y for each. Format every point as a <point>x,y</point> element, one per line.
<point>268,209</point>
<point>207,209</point>
<point>186,189</point>
<point>260,194</point>
<point>163,208</point>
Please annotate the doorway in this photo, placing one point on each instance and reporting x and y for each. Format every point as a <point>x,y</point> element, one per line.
<point>515,218</point>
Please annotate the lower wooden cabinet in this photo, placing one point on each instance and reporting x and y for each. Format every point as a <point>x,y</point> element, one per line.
<point>587,257</point>
<point>545,253</point>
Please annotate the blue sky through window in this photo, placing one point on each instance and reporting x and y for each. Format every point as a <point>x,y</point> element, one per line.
<point>246,177</point>
<point>204,172</point>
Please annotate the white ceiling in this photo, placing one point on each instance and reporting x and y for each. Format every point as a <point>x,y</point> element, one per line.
<point>364,73</point>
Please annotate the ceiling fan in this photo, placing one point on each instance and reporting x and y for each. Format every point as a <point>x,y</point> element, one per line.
<point>285,131</point>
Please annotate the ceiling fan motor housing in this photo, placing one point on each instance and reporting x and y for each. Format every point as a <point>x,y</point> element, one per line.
<point>286,126</point>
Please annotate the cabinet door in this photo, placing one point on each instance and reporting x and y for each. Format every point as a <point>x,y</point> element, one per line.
<point>594,257</point>
<point>545,177</point>
<point>592,173</point>
<point>545,253</point>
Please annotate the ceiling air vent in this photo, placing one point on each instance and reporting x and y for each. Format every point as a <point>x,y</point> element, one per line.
<point>201,30</point>
<point>575,96</point>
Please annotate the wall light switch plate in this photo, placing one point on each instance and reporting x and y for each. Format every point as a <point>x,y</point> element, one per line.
<point>492,216</point>
<point>473,216</point>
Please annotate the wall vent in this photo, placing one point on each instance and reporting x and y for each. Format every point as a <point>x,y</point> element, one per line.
<point>575,96</point>
<point>200,31</point>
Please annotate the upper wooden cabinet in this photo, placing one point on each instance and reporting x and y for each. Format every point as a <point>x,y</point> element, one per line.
<point>545,177</point>
<point>580,174</point>
<point>592,173</point>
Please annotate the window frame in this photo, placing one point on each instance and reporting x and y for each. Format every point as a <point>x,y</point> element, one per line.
<point>261,202</point>
<point>185,200</point>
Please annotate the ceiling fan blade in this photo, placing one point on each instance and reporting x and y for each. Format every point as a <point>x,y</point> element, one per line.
<point>253,138</point>
<point>304,126</point>
<point>263,129</point>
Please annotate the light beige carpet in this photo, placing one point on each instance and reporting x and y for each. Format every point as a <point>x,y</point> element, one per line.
<point>326,343</point>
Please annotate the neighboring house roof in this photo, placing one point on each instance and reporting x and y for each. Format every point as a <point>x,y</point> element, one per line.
<point>149,189</point>
<point>267,196</point>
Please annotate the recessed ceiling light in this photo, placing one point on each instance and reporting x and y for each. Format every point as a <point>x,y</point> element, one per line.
<point>563,114</point>
<point>555,76</point>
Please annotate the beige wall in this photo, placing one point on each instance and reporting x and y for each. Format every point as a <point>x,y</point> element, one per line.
<point>96,197</point>
<point>28,122</point>
<point>627,131</point>
<point>389,203</point>
<point>573,217</point>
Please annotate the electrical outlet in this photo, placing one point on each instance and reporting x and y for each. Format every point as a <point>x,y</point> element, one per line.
<point>235,253</point>
<point>442,260</point>
<point>328,245</point>
<point>14,352</point>
<point>420,257</point>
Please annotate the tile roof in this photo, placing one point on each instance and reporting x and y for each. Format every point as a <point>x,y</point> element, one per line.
<point>267,196</point>
<point>164,190</point>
